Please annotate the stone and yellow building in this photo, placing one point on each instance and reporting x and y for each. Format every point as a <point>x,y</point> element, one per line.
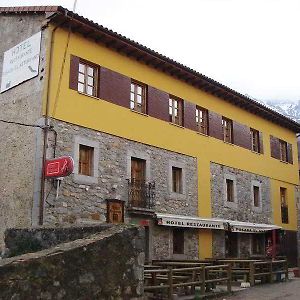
<point>207,171</point>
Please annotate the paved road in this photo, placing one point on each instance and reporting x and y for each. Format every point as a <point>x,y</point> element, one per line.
<point>277,291</point>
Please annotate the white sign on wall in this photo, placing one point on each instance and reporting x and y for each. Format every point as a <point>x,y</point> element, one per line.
<point>21,62</point>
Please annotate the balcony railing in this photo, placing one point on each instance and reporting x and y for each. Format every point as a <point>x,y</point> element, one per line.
<point>141,194</point>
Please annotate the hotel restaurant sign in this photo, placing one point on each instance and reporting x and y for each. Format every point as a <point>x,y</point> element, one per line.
<point>21,62</point>
<point>189,222</point>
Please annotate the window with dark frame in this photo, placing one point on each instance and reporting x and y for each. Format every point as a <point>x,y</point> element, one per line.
<point>86,154</point>
<point>283,150</point>
<point>258,244</point>
<point>138,97</point>
<point>178,241</point>
<point>202,120</point>
<point>284,206</point>
<point>87,79</point>
<point>176,180</point>
<point>176,111</point>
<point>256,196</point>
<point>254,140</point>
<point>229,190</point>
<point>227,130</point>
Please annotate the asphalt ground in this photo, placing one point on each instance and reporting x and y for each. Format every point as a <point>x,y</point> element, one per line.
<point>289,290</point>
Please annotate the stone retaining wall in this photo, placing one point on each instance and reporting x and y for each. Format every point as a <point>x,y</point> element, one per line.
<point>107,265</point>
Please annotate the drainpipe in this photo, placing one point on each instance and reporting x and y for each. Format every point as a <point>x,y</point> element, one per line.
<point>47,126</point>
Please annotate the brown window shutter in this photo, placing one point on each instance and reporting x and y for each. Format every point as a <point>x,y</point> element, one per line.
<point>74,63</point>
<point>261,143</point>
<point>241,135</point>
<point>289,153</point>
<point>275,147</point>
<point>215,125</point>
<point>114,87</point>
<point>189,115</point>
<point>158,104</point>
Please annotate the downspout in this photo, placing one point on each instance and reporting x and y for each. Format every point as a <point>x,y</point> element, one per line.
<point>47,127</point>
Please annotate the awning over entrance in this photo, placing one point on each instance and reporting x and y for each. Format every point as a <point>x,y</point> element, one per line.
<point>212,223</point>
<point>190,222</point>
<point>244,227</point>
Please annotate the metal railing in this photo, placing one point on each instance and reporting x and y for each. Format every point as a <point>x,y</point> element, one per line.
<point>141,194</point>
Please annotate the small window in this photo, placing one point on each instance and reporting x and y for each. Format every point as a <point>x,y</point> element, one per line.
<point>255,140</point>
<point>138,97</point>
<point>229,190</point>
<point>258,244</point>
<point>202,120</point>
<point>87,79</point>
<point>86,154</point>
<point>284,206</point>
<point>177,180</point>
<point>256,196</point>
<point>283,150</point>
<point>178,241</point>
<point>175,111</point>
<point>227,130</point>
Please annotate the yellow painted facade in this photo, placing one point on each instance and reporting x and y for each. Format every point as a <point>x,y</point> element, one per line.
<point>70,106</point>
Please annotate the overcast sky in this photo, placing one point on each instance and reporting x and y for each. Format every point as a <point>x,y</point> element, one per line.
<point>252,46</point>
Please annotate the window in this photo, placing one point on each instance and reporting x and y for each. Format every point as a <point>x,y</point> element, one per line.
<point>283,150</point>
<point>86,154</point>
<point>227,130</point>
<point>176,180</point>
<point>138,97</point>
<point>202,120</point>
<point>175,111</point>
<point>229,190</point>
<point>178,241</point>
<point>254,140</point>
<point>284,206</point>
<point>87,79</point>
<point>256,196</point>
<point>258,244</point>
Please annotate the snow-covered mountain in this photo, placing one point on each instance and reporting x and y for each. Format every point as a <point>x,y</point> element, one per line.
<point>288,108</point>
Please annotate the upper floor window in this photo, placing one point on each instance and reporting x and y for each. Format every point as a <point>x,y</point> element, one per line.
<point>283,150</point>
<point>175,111</point>
<point>202,120</point>
<point>177,180</point>
<point>227,130</point>
<point>284,206</point>
<point>87,78</point>
<point>86,154</point>
<point>229,190</point>
<point>254,140</point>
<point>256,196</point>
<point>138,97</point>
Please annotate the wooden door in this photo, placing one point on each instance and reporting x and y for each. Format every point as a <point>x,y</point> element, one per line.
<point>138,176</point>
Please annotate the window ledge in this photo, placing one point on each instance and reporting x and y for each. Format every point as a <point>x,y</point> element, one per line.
<point>257,209</point>
<point>231,144</point>
<point>255,152</point>
<point>84,179</point>
<point>198,132</point>
<point>230,204</point>
<point>283,161</point>
<point>140,113</point>
<point>84,94</point>
<point>179,126</point>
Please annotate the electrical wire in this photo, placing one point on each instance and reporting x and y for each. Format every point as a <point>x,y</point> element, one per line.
<point>27,125</point>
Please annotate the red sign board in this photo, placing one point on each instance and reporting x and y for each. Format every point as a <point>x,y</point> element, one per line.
<point>59,167</point>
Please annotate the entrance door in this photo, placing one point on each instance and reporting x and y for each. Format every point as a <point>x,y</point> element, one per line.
<point>231,244</point>
<point>138,176</point>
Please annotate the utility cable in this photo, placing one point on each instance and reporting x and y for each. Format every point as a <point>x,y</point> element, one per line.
<point>27,125</point>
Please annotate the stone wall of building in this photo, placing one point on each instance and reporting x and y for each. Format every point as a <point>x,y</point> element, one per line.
<point>20,145</point>
<point>162,241</point>
<point>106,265</point>
<point>243,208</point>
<point>82,201</point>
